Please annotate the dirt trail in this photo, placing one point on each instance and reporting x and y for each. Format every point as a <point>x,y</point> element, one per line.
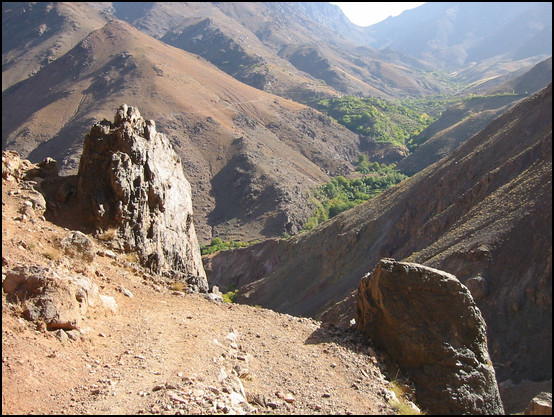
<point>166,352</point>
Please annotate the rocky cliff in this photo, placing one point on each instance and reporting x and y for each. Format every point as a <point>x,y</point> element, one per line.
<point>131,180</point>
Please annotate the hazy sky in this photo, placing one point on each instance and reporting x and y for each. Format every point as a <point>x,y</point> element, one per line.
<point>369,13</point>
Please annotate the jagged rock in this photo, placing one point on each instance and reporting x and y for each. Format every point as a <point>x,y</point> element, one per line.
<point>78,244</point>
<point>13,166</point>
<point>131,179</point>
<point>49,296</point>
<point>541,405</point>
<point>428,322</point>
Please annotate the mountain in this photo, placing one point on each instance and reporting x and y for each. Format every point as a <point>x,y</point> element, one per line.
<point>297,50</point>
<point>250,156</point>
<point>36,34</point>
<point>454,35</point>
<point>461,121</point>
<point>483,213</point>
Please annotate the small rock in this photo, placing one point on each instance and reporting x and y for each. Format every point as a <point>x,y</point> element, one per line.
<point>540,405</point>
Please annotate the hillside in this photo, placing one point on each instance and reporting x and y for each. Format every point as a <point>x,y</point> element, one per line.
<point>484,211</point>
<point>241,147</point>
<point>296,50</point>
<point>161,351</point>
<point>36,34</point>
<point>462,120</point>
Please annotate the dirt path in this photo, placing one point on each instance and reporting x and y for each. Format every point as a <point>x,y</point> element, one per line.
<point>166,352</point>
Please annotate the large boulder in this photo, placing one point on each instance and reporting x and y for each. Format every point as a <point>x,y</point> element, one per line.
<point>428,322</point>
<point>130,179</point>
<point>53,297</point>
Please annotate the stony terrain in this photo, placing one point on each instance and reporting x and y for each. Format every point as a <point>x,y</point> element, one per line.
<point>166,352</point>
<point>483,214</point>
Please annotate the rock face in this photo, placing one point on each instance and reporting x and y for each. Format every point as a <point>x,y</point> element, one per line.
<point>130,179</point>
<point>428,322</point>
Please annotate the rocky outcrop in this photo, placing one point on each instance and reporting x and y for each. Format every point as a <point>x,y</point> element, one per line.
<point>428,322</point>
<point>131,180</point>
<point>55,298</point>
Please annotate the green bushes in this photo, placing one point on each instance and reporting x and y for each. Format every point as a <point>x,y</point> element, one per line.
<point>342,194</point>
<point>229,296</point>
<point>218,244</point>
<point>376,118</point>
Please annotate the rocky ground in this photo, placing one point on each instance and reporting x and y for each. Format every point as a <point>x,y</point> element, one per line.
<point>166,352</point>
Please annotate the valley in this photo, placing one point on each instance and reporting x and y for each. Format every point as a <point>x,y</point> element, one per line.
<point>314,148</point>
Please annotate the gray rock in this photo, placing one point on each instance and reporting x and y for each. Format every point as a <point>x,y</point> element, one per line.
<point>428,322</point>
<point>130,178</point>
<point>76,243</point>
<point>478,287</point>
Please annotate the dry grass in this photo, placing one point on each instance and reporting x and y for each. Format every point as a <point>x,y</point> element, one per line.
<point>402,404</point>
<point>51,254</point>
<point>108,235</point>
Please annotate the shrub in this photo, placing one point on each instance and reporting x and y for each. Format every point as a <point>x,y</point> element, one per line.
<point>217,244</point>
<point>229,297</point>
<point>342,194</point>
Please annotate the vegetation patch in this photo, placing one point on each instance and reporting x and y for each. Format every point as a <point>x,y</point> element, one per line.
<point>377,118</point>
<point>229,296</point>
<point>342,194</point>
<point>218,244</point>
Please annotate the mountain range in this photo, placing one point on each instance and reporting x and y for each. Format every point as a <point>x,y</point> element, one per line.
<point>235,87</point>
<point>68,64</point>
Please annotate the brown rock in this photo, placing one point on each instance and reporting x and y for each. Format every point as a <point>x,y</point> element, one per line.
<point>541,405</point>
<point>428,322</point>
<point>47,296</point>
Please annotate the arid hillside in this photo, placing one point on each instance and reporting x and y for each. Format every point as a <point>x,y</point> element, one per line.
<point>250,156</point>
<point>36,34</point>
<point>483,213</point>
<point>154,349</point>
<point>296,50</point>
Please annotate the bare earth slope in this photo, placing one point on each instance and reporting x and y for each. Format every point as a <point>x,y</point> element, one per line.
<point>166,352</point>
<point>237,143</point>
<point>36,34</point>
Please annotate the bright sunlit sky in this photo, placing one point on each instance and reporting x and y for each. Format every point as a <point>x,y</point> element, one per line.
<point>369,13</point>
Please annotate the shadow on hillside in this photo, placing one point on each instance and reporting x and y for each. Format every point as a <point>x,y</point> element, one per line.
<point>356,342</point>
<point>348,337</point>
<point>62,207</point>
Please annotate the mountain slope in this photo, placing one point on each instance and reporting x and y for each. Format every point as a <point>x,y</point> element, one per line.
<point>250,156</point>
<point>455,35</point>
<point>483,211</point>
<point>36,34</point>
<point>461,121</point>
<point>296,50</point>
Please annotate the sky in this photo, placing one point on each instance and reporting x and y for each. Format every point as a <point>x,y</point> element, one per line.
<point>369,13</point>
